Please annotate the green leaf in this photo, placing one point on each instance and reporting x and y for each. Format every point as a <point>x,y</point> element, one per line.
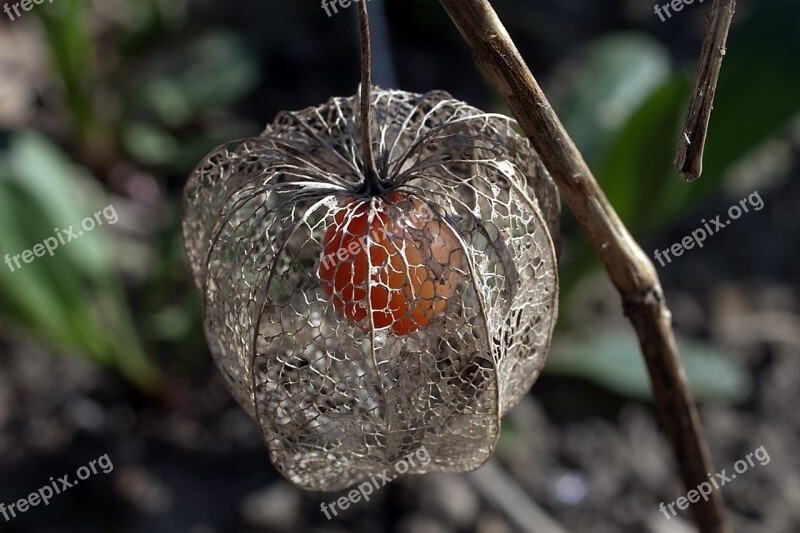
<point>71,298</point>
<point>611,80</point>
<point>64,192</point>
<point>637,173</point>
<point>69,40</point>
<point>613,360</point>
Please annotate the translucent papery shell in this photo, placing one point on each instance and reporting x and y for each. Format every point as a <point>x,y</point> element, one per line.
<point>339,400</point>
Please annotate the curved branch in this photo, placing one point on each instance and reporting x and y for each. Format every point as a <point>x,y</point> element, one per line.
<point>629,268</point>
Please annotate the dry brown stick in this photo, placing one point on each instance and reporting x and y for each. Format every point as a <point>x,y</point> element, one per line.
<point>370,172</point>
<point>629,268</point>
<point>689,160</point>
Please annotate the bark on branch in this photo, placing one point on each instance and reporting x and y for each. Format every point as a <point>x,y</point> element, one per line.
<point>689,160</point>
<point>629,268</point>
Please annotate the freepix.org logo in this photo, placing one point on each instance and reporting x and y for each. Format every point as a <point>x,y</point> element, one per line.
<point>716,482</point>
<point>365,489</point>
<point>331,7</point>
<point>13,9</point>
<point>56,486</point>
<point>62,238</point>
<point>674,5</point>
<point>709,228</point>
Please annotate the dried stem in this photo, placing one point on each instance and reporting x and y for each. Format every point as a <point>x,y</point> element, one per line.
<point>628,267</point>
<point>372,180</point>
<point>689,160</point>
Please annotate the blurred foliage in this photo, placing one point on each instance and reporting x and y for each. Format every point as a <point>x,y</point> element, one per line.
<point>74,298</point>
<point>155,100</point>
<point>613,359</point>
<point>66,29</point>
<point>161,120</point>
<point>625,111</point>
<point>613,78</point>
<point>215,73</point>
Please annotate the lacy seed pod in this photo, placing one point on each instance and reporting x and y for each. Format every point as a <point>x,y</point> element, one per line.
<point>358,326</point>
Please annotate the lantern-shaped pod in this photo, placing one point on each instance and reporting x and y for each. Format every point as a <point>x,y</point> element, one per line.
<point>360,325</point>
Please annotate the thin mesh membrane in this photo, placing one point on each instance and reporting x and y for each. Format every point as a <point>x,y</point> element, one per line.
<point>354,329</point>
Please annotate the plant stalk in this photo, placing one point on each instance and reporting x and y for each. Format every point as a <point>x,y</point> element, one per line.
<point>372,180</point>
<point>689,160</point>
<point>629,268</point>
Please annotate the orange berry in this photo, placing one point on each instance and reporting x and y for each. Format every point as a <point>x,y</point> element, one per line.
<point>413,260</point>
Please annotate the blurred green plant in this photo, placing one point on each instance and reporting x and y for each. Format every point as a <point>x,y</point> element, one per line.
<point>211,74</point>
<point>72,49</point>
<point>151,98</point>
<point>613,360</point>
<point>625,111</point>
<point>73,300</point>
<point>131,92</point>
